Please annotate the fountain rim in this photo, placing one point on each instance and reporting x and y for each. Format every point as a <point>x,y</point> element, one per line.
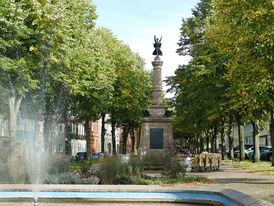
<point>234,196</point>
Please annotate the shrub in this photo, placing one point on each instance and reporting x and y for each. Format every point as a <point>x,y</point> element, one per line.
<point>58,166</point>
<point>110,169</point>
<point>4,173</point>
<point>69,178</point>
<point>137,165</point>
<point>85,166</point>
<point>172,166</point>
<point>122,181</point>
<point>113,168</point>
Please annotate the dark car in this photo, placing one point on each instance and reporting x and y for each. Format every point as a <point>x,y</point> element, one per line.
<point>96,155</point>
<point>237,150</point>
<point>262,150</point>
<point>267,156</point>
<point>80,155</point>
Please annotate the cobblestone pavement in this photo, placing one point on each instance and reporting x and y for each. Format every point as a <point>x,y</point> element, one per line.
<point>255,185</point>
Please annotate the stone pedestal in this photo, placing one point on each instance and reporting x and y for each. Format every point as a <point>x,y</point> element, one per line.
<point>156,130</point>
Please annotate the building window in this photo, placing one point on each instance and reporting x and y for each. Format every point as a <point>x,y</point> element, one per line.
<point>53,148</point>
<point>61,128</point>
<point>60,148</point>
<point>74,130</point>
<point>109,148</point>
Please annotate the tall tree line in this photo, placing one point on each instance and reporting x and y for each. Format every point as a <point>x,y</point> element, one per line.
<point>54,63</point>
<point>229,80</point>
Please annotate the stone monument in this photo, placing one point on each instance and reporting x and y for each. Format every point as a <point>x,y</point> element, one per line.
<point>156,125</point>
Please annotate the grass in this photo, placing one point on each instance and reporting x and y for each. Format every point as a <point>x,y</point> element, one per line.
<point>263,167</point>
<point>168,181</point>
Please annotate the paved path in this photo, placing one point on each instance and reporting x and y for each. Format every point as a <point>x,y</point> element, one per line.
<point>256,185</point>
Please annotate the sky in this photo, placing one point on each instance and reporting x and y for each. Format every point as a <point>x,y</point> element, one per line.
<point>135,22</point>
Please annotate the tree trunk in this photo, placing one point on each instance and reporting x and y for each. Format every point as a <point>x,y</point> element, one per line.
<point>68,137</point>
<point>241,140</point>
<point>132,140</point>
<point>196,143</point>
<point>125,135</point>
<point>87,131</point>
<point>242,143</point>
<point>230,140</point>
<point>223,138</point>
<point>14,104</point>
<point>213,141</point>
<point>103,132</point>
<point>67,129</point>
<point>201,143</point>
<point>113,137</point>
<point>256,154</point>
<point>272,134</point>
<point>207,142</point>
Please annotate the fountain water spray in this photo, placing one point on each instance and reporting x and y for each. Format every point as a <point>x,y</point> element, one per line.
<point>36,161</point>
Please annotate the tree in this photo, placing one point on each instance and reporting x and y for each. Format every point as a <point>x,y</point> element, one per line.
<point>200,85</point>
<point>137,99</point>
<point>130,95</point>
<point>93,88</point>
<point>17,64</point>
<point>243,30</point>
<point>37,39</point>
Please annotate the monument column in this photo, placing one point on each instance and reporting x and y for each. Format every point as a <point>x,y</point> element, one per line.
<point>157,82</point>
<point>157,107</point>
<point>156,125</point>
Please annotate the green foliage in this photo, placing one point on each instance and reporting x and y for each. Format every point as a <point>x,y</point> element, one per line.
<point>85,166</point>
<point>137,165</point>
<point>167,180</point>
<point>231,72</point>
<point>69,178</point>
<point>44,46</point>
<point>58,166</point>
<point>77,165</point>
<point>246,37</point>
<point>199,86</point>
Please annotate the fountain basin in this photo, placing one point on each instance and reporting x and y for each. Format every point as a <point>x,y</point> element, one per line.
<point>133,194</point>
<point>112,197</point>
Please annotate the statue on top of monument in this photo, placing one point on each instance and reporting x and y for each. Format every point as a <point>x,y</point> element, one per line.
<point>157,46</point>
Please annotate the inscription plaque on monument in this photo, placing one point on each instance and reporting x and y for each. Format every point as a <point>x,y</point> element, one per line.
<point>156,138</point>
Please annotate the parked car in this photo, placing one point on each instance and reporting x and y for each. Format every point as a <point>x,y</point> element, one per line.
<point>267,155</point>
<point>247,150</point>
<point>96,155</point>
<point>262,149</point>
<point>80,155</point>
